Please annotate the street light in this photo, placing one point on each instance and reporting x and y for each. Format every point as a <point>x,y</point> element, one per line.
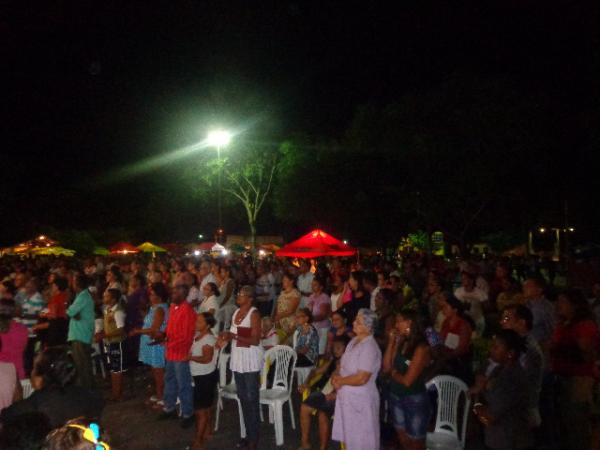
<point>218,139</point>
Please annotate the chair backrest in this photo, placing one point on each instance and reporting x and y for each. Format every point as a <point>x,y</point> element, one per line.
<point>222,364</point>
<point>27,388</point>
<point>283,358</point>
<point>295,339</point>
<point>450,390</point>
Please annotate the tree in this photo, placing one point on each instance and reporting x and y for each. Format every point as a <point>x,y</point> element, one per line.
<point>247,173</point>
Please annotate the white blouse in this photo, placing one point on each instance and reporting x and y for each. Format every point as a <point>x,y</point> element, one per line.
<point>206,368</point>
<point>245,359</point>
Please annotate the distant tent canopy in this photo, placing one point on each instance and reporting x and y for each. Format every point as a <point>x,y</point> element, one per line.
<point>149,247</point>
<point>101,251</point>
<point>314,244</point>
<point>32,247</point>
<point>123,248</point>
<point>56,251</point>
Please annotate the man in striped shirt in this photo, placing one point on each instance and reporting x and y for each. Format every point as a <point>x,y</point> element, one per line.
<point>32,306</point>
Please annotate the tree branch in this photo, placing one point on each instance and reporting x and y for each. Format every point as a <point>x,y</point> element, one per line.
<point>268,188</point>
<point>235,194</point>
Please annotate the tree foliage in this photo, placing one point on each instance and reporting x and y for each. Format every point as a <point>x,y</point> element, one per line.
<point>247,171</point>
<point>453,158</point>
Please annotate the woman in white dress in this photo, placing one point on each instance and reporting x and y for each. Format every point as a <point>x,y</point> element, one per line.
<point>246,361</point>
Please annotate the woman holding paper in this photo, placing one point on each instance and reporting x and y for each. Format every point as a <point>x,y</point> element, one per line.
<point>246,361</point>
<point>456,335</point>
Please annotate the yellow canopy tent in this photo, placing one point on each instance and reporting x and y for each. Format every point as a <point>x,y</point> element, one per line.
<point>149,247</point>
<point>56,251</point>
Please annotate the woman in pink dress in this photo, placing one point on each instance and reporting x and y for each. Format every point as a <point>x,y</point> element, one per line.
<point>356,418</point>
<point>13,337</point>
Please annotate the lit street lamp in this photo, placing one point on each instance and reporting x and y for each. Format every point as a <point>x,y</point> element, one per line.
<point>218,139</point>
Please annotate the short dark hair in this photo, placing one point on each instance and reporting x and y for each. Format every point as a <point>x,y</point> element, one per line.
<point>370,278</point>
<point>343,338</point>
<point>319,280</point>
<point>61,283</point>
<point>9,285</point>
<point>307,312</point>
<point>290,276</point>
<point>341,313</point>
<point>115,294</point>
<point>82,281</point>
<point>512,341</point>
<point>359,276</point>
<point>160,290</point>
<point>210,319</point>
<point>522,312</point>
<point>388,296</point>
<point>183,287</point>
<point>214,288</point>
<point>116,271</point>
<point>453,302</point>
<point>140,279</point>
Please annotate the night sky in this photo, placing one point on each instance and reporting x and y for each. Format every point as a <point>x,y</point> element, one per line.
<point>90,87</point>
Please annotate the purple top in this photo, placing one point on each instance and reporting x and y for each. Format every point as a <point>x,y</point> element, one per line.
<point>314,304</point>
<point>137,301</point>
<point>356,418</point>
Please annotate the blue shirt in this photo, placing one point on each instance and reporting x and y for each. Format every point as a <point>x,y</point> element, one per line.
<point>81,329</point>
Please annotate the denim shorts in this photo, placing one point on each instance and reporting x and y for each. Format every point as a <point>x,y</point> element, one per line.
<point>410,413</point>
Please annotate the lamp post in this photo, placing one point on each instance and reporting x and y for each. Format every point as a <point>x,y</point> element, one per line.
<point>219,139</point>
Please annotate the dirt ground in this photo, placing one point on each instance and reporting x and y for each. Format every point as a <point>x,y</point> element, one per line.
<point>132,425</point>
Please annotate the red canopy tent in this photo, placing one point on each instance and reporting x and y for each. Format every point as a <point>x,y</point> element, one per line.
<point>123,248</point>
<point>314,244</point>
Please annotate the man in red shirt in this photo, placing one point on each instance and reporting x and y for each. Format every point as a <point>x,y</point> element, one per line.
<point>179,336</point>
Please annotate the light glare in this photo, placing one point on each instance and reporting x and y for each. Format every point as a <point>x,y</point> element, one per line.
<point>218,138</point>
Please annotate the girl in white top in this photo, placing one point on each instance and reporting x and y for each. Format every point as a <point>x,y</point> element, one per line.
<point>210,303</point>
<point>203,366</point>
<point>203,358</point>
<point>246,361</point>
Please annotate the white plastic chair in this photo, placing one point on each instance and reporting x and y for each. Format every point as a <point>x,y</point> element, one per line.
<point>284,359</point>
<point>447,434</point>
<point>227,391</point>
<point>301,372</point>
<point>27,388</point>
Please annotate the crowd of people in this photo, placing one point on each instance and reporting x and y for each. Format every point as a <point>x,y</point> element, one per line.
<point>371,333</point>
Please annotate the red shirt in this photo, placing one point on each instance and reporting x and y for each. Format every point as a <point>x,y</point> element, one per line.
<point>462,329</point>
<point>566,356</point>
<point>181,328</point>
<point>58,305</point>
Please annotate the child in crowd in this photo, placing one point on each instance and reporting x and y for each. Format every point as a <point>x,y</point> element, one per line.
<point>321,400</point>
<point>269,336</point>
<point>114,339</point>
<point>306,339</point>
<point>76,434</point>
<point>203,367</point>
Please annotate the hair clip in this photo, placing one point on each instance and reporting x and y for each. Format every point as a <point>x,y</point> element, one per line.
<point>92,434</point>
